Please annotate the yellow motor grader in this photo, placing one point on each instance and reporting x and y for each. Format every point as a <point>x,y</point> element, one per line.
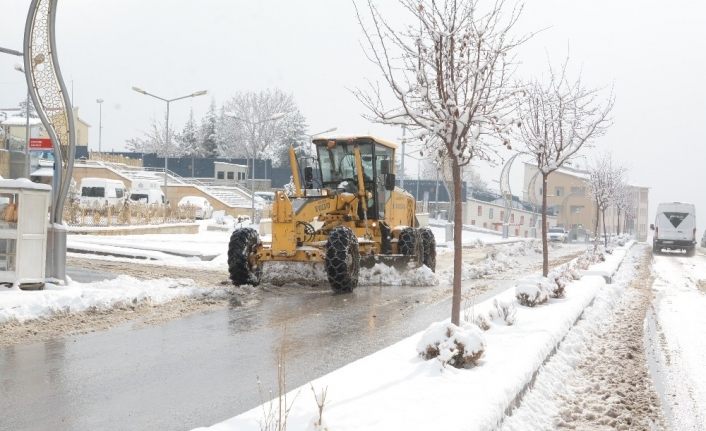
<point>351,214</point>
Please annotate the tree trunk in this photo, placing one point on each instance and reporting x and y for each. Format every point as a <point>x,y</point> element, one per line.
<point>545,246</point>
<point>618,224</point>
<point>458,237</point>
<point>605,233</point>
<point>595,228</point>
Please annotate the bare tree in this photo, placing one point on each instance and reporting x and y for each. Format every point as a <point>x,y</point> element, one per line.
<point>448,72</point>
<point>152,141</point>
<point>605,181</point>
<point>249,130</point>
<point>558,117</point>
<point>622,201</point>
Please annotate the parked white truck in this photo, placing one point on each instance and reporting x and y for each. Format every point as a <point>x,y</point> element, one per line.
<point>674,228</point>
<point>97,192</point>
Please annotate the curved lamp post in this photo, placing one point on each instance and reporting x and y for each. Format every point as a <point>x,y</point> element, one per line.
<point>50,97</point>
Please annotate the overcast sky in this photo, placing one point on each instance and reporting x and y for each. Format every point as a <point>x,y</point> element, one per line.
<point>652,53</point>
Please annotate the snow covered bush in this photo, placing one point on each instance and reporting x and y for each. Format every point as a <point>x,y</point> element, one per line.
<point>560,278</point>
<point>505,311</point>
<point>458,346</point>
<point>482,321</point>
<point>532,292</point>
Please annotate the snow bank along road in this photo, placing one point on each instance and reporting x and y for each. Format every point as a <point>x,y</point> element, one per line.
<point>676,339</point>
<point>202,368</point>
<point>598,378</point>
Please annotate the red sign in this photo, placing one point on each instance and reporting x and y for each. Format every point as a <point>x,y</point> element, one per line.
<point>40,144</point>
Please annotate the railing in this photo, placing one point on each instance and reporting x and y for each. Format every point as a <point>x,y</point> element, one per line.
<point>127,214</point>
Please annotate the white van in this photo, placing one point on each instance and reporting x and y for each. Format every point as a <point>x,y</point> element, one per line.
<point>96,192</point>
<point>675,228</point>
<point>145,191</point>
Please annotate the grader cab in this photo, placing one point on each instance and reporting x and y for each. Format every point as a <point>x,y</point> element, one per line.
<point>350,214</point>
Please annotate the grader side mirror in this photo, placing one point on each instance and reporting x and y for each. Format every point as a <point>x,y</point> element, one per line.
<point>390,182</point>
<point>308,177</point>
<point>384,167</point>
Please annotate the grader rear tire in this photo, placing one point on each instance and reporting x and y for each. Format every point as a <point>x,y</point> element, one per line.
<point>428,248</point>
<point>243,243</point>
<point>342,260</point>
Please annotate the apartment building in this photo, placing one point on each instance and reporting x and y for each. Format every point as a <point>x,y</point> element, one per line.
<point>569,199</point>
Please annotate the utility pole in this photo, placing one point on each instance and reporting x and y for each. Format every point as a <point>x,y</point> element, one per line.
<point>100,123</point>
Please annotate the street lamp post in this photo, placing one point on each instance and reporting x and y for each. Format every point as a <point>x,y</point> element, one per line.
<point>273,117</point>
<point>166,140</point>
<point>100,123</point>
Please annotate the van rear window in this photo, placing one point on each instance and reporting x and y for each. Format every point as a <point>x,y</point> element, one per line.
<point>676,218</point>
<point>93,192</point>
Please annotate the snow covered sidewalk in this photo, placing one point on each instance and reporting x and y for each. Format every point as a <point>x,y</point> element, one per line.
<point>394,389</point>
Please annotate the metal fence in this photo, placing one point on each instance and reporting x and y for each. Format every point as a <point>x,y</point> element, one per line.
<point>127,214</point>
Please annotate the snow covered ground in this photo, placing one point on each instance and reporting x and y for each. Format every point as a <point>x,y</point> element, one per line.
<point>19,305</point>
<point>387,385</point>
<point>676,338</point>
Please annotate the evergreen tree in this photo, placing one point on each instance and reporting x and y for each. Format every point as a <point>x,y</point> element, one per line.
<point>209,140</point>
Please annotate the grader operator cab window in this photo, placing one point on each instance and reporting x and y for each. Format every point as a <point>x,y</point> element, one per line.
<point>338,163</point>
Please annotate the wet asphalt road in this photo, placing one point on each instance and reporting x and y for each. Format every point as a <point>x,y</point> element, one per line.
<point>125,378</point>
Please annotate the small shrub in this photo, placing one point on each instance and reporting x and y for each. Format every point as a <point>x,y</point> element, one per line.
<point>460,347</point>
<point>505,311</point>
<point>530,293</point>
<point>482,321</point>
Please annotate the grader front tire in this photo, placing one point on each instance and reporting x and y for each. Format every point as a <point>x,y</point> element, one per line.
<point>243,244</point>
<point>342,260</point>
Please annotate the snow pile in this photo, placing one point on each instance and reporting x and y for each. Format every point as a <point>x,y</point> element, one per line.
<point>460,347</point>
<point>385,275</point>
<point>499,259</point>
<point>314,274</point>
<point>611,262</point>
<point>121,292</point>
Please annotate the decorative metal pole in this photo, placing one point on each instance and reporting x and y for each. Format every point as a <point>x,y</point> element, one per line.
<point>51,100</point>
<point>507,194</point>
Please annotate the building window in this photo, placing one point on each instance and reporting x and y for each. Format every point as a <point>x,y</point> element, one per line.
<point>559,191</point>
<point>576,209</point>
<point>502,215</point>
<point>473,222</point>
<point>522,220</point>
<point>490,213</point>
<point>485,225</point>
<point>480,210</point>
<point>220,175</point>
<point>581,191</point>
<point>512,218</point>
<point>231,175</point>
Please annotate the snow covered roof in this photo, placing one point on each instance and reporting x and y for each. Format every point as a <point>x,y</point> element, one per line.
<point>21,121</point>
<point>23,183</point>
<point>230,164</point>
<point>43,172</point>
<point>383,142</point>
